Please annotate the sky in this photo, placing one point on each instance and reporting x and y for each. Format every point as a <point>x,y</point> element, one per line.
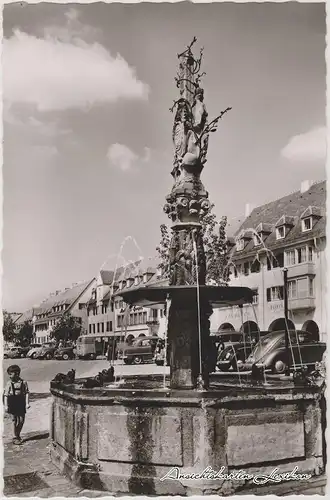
<point>87,149</point>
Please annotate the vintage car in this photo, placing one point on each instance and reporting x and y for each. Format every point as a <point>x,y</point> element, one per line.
<point>15,352</point>
<point>32,350</point>
<point>270,352</point>
<point>140,351</point>
<point>45,352</point>
<point>232,354</point>
<point>65,353</point>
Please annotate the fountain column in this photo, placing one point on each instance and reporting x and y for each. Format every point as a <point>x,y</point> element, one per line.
<point>188,322</point>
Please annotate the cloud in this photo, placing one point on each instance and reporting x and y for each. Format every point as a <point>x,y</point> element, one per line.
<point>122,156</point>
<point>45,151</point>
<point>29,124</point>
<point>307,147</point>
<point>147,155</point>
<point>57,75</point>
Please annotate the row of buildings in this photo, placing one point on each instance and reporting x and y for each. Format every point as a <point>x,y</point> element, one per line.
<point>287,233</point>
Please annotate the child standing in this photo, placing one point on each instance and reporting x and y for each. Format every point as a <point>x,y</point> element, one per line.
<point>16,400</point>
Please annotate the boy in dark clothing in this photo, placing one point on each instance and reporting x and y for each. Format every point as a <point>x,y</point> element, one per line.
<point>16,400</point>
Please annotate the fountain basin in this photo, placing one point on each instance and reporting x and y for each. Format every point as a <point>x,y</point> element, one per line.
<point>127,438</point>
<point>217,296</point>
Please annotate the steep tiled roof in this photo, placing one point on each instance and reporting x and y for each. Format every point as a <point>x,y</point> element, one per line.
<point>292,205</point>
<point>25,316</point>
<point>67,297</point>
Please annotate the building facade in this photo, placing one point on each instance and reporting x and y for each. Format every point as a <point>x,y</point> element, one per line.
<point>71,300</point>
<point>287,233</point>
<point>109,315</point>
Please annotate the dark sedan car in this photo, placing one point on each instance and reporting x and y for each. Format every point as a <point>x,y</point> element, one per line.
<point>233,355</point>
<point>46,352</point>
<point>270,351</point>
<point>235,351</point>
<point>65,353</point>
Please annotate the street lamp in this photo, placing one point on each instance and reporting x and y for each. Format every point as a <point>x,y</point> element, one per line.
<point>285,297</point>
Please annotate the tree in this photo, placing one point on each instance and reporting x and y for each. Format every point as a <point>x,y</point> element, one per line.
<point>67,328</point>
<point>25,333</point>
<point>8,328</point>
<point>215,247</point>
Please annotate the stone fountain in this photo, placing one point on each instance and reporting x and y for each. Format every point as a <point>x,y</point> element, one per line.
<point>129,436</point>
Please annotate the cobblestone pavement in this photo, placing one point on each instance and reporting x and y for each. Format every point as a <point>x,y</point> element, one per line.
<point>33,457</point>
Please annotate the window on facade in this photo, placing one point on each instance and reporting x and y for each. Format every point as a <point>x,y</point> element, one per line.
<point>274,293</point>
<point>240,245</point>
<point>94,328</point>
<point>306,224</point>
<point>234,271</point>
<point>255,266</point>
<point>303,287</point>
<point>246,268</point>
<point>292,289</point>
<point>280,232</point>
<point>98,328</point>
<point>102,327</point>
<point>305,254</point>
<point>255,299</point>
<point>290,256</point>
<point>90,329</point>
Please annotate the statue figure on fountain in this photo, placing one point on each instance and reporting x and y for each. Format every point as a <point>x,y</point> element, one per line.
<point>197,137</point>
<point>190,136</point>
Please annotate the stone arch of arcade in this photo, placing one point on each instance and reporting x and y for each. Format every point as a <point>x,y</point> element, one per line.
<point>279,324</point>
<point>227,327</point>
<point>249,327</point>
<point>129,339</point>
<point>312,327</point>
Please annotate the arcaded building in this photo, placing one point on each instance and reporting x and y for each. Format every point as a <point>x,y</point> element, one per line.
<point>286,233</point>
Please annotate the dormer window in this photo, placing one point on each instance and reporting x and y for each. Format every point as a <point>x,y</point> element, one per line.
<point>136,280</point>
<point>310,217</point>
<point>280,232</point>
<point>261,232</point>
<point>240,245</point>
<point>306,224</point>
<point>283,226</point>
<point>129,282</point>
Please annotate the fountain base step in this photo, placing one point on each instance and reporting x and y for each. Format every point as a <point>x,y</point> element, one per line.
<point>127,441</point>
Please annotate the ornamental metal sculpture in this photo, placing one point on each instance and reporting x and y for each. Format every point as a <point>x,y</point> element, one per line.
<point>188,201</point>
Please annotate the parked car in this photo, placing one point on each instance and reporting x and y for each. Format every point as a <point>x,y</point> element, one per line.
<point>45,352</point>
<point>141,350</point>
<point>65,353</point>
<point>32,350</point>
<point>270,351</point>
<point>233,355</point>
<point>15,352</point>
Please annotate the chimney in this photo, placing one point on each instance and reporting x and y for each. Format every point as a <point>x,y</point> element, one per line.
<point>248,209</point>
<point>305,186</point>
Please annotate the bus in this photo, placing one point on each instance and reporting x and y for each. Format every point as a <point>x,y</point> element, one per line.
<point>91,346</point>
